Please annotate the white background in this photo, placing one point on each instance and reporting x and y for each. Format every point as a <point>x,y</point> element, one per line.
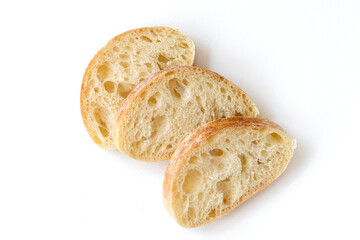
<point>298,60</point>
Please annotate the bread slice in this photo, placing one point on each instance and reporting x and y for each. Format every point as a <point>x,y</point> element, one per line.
<point>163,109</point>
<point>220,165</point>
<point>119,66</point>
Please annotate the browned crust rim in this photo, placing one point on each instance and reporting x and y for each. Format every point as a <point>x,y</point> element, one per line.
<point>196,137</point>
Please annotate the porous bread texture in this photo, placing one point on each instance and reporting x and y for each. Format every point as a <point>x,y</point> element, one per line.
<point>222,164</point>
<point>119,66</point>
<point>163,109</point>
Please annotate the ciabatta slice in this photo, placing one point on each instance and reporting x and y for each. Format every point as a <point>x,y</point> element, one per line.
<point>119,66</point>
<point>220,165</point>
<point>163,109</point>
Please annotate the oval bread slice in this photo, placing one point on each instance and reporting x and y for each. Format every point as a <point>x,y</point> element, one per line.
<point>163,109</point>
<point>220,165</point>
<point>119,66</point>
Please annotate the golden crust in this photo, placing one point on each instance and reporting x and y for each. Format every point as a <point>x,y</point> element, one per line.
<point>86,85</point>
<point>191,141</point>
<point>132,98</point>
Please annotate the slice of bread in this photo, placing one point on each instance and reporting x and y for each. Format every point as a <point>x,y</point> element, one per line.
<point>119,66</point>
<point>220,165</point>
<point>166,107</point>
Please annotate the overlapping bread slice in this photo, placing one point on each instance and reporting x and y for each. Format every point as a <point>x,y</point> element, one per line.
<point>163,109</point>
<point>220,165</point>
<point>119,66</point>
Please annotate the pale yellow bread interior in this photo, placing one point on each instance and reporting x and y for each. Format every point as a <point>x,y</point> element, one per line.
<point>222,164</point>
<point>163,109</point>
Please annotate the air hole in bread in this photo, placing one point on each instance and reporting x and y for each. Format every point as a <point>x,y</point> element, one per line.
<point>124,89</point>
<point>162,62</point>
<point>243,160</point>
<point>194,160</point>
<point>109,86</point>
<point>193,182</point>
<point>227,140</point>
<point>176,89</point>
<point>162,59</point>
<point>153,32</point>
<point>213,138</point>
<point>97,140</point>
<point>212,213</point>
<point>243,96</point>
<point>103,72</point>
<point>229,98</point>
<point>216,152</point>
<point>116,49</point>
<point>210,85</point>
<point>225,187</point>
<point>238,114</point>
<point>185,82</point>
<point>198,100</point>
<point>124,56</point>
<point>104,131</point>
<point>158,40</point>
<point>183,45</point>
<point>148,65</point>
<point>96,90</point>
<point>146,39</point>
<point>259,162</point>
<point>255,177</point>
<point>254,142</point>
<point>183,57</point>
<point>153,99</point>
<point>169,146</point>
<point>98,113</point>
<point>158,147</point>
<point>274,138</point>
<point>223,90</point>
<point>124,64</point>
<point>159,66</point>
<point>158,123</point>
